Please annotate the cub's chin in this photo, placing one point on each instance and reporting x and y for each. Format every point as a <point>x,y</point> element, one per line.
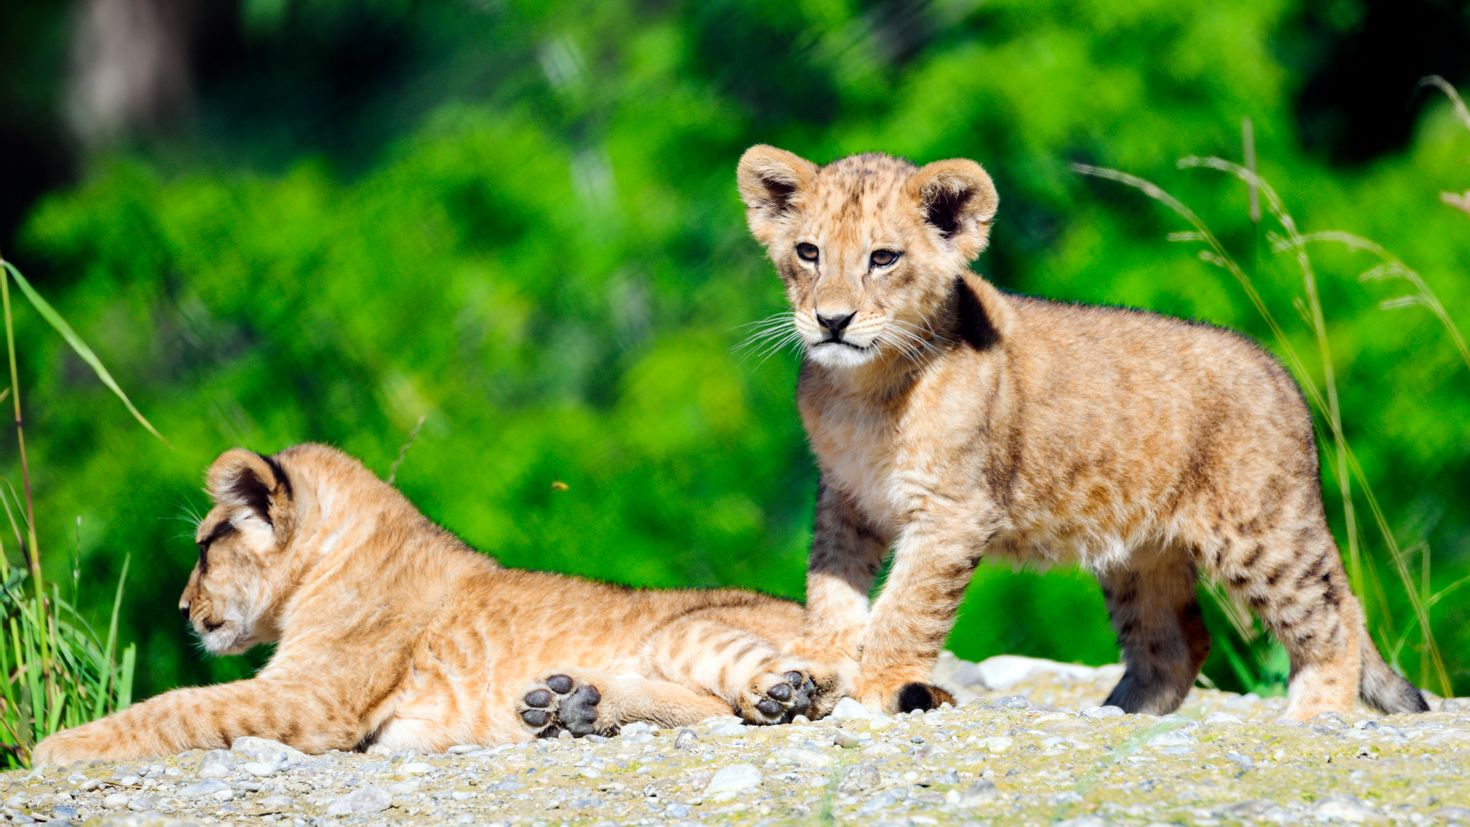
<point>840,354</point>
<point>228,639</point>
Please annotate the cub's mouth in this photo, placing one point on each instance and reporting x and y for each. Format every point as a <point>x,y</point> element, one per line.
<point>844,343</point>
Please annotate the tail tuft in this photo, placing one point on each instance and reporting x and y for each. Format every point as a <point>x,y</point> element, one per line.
<point>1384,689</point>
<point>922,696</point>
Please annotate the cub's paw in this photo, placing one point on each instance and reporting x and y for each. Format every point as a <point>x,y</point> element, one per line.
<point>75,745</point>
<point>833,682</point>
<point>777,696</point>
<point>562,703</point>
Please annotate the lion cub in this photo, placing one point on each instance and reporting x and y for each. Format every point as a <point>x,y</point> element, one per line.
<point>392,631</point>
<point>951,420</point>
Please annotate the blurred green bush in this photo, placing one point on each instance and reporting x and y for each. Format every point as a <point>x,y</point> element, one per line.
<point>546,260</point>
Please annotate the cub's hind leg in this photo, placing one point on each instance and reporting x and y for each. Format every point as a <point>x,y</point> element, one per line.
<point>757,679</point>
<point>1154,610</point>
<point>1292,578</point>
<point>585,702</point>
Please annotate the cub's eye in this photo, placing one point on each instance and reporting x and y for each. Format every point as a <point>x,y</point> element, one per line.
<point>806,252</point>
<point>883,258</point>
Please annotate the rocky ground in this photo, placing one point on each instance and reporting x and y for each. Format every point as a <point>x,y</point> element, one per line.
<point>1026,745</point>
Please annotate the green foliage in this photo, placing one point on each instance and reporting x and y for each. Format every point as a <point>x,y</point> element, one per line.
<point>548,264</point>
<point>54,671</point>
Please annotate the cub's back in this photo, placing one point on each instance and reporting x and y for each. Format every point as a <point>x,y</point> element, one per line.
<point>1123,414</point>
<point>580,622</point>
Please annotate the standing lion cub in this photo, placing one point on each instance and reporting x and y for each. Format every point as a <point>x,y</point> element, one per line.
<point>392,631</point>
<point>951,420</point>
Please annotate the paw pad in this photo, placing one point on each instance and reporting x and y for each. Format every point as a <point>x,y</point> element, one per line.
<point>776,698</point>
<point>560,703</point>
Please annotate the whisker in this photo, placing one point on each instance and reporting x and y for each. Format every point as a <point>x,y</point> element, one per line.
<point>778,317</point>
<point>794,337</point>
<point>771,343</point>
<point>766,329</point>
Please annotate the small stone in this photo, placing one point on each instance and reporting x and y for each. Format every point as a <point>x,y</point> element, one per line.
<point>980,791</point>
<point>274,804</point>
<point>416,768</point>
<point>731,780</point>
<point>267,751</point>
<point>461,795</point>
<point>261,769</point>
<point>216,764</point>
<point>685,739</point>
<point>677,811</point>
<point>860,778</point>
<point>1174,740</point>
<point>728,727</point>
<point>1004,671</point>
<point>64,814</point>
<point>636,731</point>
<point>807,758</point>
<point>1343,808</point>
<point>208,786</point>
<point>463,749</point>
<point>1102,712</point>
<point>1220,718</point>
<point>1011,702</point>
<point>143,802</point>
<point>998,743</point>
<point>848,709</point>
<point>966,674</point>
<point>1242,761</point>
<point>845,739</point>
<point>115,800</point>
<point>361,801</point>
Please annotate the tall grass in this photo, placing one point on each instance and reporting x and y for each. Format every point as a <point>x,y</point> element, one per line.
<point>1252,656</point>
<point>55,670</point>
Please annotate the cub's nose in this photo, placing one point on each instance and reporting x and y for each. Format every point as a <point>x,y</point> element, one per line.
<point>184,610</point>
<point>835,323</point>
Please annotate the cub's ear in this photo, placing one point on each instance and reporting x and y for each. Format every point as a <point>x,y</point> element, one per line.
<point>772,182</point>
<point>957,198</point>
<point>246,479</point>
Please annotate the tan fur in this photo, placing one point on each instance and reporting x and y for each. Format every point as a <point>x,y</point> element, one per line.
<point>951,420</point>
<point>392,631</point>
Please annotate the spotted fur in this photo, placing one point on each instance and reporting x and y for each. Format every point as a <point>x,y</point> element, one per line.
<point>392,631</point>
<point>951,420</point>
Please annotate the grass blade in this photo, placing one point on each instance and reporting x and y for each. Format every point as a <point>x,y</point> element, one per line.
<point>61,326</point>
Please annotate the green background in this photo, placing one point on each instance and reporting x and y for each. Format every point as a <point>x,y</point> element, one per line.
<point>518,221</point>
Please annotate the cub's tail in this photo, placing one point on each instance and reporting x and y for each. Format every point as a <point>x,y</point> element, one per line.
<point>1384,689</point>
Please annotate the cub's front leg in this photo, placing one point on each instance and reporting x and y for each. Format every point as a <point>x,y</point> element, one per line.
<point>309,717</point>
<point>933,562</point>
<point>846,555</point>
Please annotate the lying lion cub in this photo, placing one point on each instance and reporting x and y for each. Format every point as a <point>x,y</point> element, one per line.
<point>391,631</point>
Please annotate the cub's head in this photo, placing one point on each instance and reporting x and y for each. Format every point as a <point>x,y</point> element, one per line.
<point>869,246</point>
<point>237,588</point>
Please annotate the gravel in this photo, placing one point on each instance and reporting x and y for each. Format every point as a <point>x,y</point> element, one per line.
<point>1027,743</point>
